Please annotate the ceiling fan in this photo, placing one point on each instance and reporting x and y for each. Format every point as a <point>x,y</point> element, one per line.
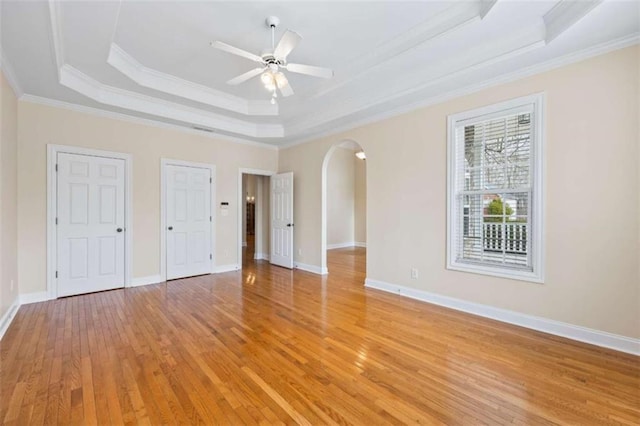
<point>272,62</point>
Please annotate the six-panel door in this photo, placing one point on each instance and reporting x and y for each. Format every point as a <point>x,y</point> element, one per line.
<point>90,223</point>
<point>188,221</point>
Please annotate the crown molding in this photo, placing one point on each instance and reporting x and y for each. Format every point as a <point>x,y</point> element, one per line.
<point>139,120</point>
<point>564,15</point>
<point>162,82</point>
<point>76,80</point>
<point>57,44</point>
<point>450,19</point>
<point>565,60</point>
<point>10,75</point>
<point>495,51</point>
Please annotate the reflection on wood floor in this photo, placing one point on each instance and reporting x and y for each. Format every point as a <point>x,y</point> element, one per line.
<point>269,345</point>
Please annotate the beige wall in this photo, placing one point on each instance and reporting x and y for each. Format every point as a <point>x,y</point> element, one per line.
<point>340,197</point>
<point>592,190</point>
<point>40,125</point>
<point>360,200</point>
<point>8,197</point>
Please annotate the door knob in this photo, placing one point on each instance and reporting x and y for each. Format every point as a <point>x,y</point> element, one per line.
<point>119,230</point>
<point>170,228</point>
<point>289,224</point>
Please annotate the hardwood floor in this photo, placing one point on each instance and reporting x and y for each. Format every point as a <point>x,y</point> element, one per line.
<point>269,345</point>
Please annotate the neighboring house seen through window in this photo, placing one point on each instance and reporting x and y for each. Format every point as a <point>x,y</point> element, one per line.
<point>494,190</point>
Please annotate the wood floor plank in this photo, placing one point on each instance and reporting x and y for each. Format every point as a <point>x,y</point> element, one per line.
<point>271,346</point>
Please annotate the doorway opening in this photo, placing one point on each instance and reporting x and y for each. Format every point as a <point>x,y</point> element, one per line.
<point>344,201</point>
<point>254,217</point>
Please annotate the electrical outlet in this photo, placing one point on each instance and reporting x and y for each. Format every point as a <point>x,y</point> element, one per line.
<point>414,273</point>
<point>226,253</point>
<point>11,285</point>
<point>299,252</point>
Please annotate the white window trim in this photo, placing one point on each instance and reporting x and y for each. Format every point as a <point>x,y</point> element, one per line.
<point>537,199</point>
<point>52,198</point>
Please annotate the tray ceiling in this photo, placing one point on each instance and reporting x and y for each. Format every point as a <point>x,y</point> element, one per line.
<point>152,60</point>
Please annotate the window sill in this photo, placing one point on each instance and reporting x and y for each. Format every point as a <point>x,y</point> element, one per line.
<point>514,274</point>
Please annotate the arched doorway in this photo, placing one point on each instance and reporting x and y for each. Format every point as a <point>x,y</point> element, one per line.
<point>341,152</point>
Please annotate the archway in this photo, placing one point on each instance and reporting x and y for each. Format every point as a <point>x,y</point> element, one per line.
<point>355,148</point>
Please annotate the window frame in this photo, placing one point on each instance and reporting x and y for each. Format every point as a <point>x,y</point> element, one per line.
<point>454,218</point>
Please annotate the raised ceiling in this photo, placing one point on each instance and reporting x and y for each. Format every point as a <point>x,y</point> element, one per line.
<point>152,60</point>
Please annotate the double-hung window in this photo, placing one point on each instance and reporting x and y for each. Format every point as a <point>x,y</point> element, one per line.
<point>495,188</point>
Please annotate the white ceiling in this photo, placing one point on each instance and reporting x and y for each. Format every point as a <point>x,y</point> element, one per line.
<point>152,60</point>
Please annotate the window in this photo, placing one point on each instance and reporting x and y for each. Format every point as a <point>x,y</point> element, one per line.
<point>495,190</point>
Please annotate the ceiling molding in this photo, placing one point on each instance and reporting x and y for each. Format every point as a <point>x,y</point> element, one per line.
<point>57,44</point>
<point>138,120</point>
<point>10,75</point>
<point>166,83</point>
<point>450,19</point>
<point>495,51</point>
<point>113,96</point>
<point>564,15</point>
<point>565,60</point>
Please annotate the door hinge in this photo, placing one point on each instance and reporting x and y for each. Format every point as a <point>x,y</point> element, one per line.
<point>210,256</point>
<point>210,180</point>
<point>56,274</point>
<point>56,220</point>
<point>210,219</point>
<point>56,168</point>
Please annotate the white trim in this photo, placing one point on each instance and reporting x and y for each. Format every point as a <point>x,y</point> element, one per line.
<point>227,268</point>
<point>341,245</point>
<point>8,316</point>
<point>261,256</point>
<point>151,279</point>
<point>37,297</point>
<point>52,247</point>
<point>424,102</point>
<point>164,162</point>
<point>77,81</point>
<point>360,244</point>
<point>564,15</point>
<point>537,101</point>
<point>167,83</point>
<point>558,328</point>
<point>10,75</point>
<point>311,268</point>
<point>138,120</point>
<point>247,171</point>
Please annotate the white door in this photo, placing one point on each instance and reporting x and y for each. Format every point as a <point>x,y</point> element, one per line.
<point>90,223</point>
<point>188,220</point>
<point>282,220</point>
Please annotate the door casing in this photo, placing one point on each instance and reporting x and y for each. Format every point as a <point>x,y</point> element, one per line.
<point>52,207</point>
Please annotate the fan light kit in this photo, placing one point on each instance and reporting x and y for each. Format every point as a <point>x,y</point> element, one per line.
<point>272,62</point>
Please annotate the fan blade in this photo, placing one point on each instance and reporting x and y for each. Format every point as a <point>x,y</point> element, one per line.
<point>283,85</point>
<point>246,76</point>
<point>287,43</point>
<point>310,70</point>
<point>234,50</point>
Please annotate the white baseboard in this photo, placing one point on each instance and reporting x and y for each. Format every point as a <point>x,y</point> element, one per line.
<point>311,268</point>
<point>151,279</point>
<point>340,245</point>
<point>345,245</point>
<point>227,268</point>
<point>261,256</point>
<point>8,316</point>
<point>40,296</point>
<point>575,332</point>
